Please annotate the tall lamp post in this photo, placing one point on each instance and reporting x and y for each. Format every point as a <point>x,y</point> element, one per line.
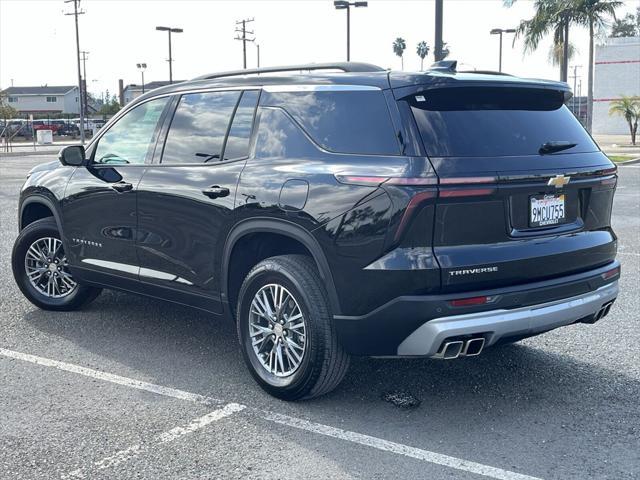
<point>170,30</point>
<point>500,31</point>
<point>142,67</point>
<point>345,5</point>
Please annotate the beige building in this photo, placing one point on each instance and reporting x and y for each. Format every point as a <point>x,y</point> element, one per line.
<point>617,73</point>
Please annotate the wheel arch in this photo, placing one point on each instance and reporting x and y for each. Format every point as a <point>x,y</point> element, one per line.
<point>283,228</point>
<point>32,209</point>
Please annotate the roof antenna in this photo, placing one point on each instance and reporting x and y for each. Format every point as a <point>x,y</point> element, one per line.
<point>444,66</point>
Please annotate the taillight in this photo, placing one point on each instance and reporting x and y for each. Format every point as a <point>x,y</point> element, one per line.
<point>372,180</point>
<point>467,186</point>
<point>610,273</point>
<point>416,200</point>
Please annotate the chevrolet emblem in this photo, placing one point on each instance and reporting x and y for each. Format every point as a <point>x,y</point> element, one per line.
<point>558,181</point>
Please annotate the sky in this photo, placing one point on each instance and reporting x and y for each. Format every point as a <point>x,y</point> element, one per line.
<point>37,41</point>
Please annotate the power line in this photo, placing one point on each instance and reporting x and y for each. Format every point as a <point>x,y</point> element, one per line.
<point>75,13</point>
<point>244,39</point>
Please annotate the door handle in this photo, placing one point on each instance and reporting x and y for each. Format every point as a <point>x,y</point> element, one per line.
<point>122,187</point>
<point>216,191</point>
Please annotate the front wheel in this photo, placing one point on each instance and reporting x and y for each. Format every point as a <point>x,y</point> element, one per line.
<point>40,269</point>
<point>285,329</point>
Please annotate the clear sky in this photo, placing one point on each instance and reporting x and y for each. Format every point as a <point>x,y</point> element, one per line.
<point>37,41</point>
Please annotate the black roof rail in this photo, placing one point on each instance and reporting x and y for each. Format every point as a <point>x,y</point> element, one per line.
<point>344,66</point>
<point>444,66</point>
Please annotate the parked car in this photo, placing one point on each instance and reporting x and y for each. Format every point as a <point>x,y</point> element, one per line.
<point>66,128</point>
<point>367,213</point>
<point>19,128</point>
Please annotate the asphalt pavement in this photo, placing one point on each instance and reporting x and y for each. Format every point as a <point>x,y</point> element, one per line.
<point>136,388</point>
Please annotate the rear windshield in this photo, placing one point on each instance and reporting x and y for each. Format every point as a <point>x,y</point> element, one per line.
<point>489,122</point>
<point>342,121</point>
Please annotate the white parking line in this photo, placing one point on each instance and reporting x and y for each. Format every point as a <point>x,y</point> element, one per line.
<point>398,448</point>
<point>318,428</point>
<point>110,377</point>
<point>166,437</point>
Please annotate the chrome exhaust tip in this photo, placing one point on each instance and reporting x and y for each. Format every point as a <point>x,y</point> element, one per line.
<point>450,350</point>
<point>473,347</point>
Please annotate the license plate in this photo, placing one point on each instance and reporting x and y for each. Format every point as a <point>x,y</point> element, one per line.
<point>546,210</point>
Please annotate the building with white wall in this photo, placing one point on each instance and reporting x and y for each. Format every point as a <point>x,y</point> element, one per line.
<point>39,100</point>
<point>617,73</point>
<point>133,91</point>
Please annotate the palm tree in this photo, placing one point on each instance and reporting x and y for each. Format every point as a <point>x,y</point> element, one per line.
<point>399,46</point>
<point>629,108</point>
<point>556,52</point>
<point>552,16</point>
<point>422,50</point>
<point>593,14</point>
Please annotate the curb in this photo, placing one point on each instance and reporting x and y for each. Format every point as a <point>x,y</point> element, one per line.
<point>633,161</point>
<point>26,154</point>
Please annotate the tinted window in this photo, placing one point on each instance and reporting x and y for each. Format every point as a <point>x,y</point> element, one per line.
<point>342,121</point>
<point>240,131</point>
<point>131,137</point>
<point>487,122</point>
<point>198,128</point>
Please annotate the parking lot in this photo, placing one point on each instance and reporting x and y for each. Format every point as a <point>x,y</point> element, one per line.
<point>136,388</point>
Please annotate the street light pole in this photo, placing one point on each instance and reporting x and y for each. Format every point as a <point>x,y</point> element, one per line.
<point>142,67</point>
<point>170,30</point>
<point>258,51</point>
<point>345,5</point>
<point>500,31</point>
<point>76,13</point>
<point>438,44</point>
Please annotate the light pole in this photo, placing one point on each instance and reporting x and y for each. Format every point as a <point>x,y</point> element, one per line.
<point>345,5</point>
<point>170,30</point>
<point>258,51</point>
<point>142,67</point>
<point>500,31</point>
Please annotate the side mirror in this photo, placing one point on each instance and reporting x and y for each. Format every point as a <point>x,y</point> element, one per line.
<point>72,155</point>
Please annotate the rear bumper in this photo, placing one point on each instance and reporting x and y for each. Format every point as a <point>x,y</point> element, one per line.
<point>417,325</point>
<point>496,324</point>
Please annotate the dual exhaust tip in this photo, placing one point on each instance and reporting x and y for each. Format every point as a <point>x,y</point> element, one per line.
<point>460,348</point>
<point>603,312</point>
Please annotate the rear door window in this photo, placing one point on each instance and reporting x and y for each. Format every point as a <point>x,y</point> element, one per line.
<point>344,121</point>
<point>489,122</point>
<point>199,127</point>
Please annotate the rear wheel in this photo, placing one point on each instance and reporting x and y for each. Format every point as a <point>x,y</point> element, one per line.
<point>285,329</point>
<point>41,270</point>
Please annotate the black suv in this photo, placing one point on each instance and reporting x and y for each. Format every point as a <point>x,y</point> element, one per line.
<point>360,212</point>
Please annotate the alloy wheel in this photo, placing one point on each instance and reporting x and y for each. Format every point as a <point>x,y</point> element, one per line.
<point>277,330</point>
<point>46,267</point>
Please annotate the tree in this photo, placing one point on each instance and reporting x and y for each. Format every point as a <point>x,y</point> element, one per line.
<point>556,52</point>
<point>629,26</point>
<point>399,46</point>
<point>110,105</point>
<point>594,15</point>
<point>551,16</point>
<point>629,108</point>
<point>422,50</point>
<point>6,111</point>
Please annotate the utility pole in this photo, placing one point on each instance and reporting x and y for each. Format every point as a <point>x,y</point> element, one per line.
<point>243,30</point>
<point>76,4</point>
<point>84,82</point>
<point>575,92</point>
<point>437,53</point>
<point>258,50</point>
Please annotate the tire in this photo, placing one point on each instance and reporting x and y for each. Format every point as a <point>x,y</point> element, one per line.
<point>39,234</point>
<point>323,362</point>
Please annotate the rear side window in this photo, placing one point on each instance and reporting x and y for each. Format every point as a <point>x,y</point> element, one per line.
<point>240,132</point>
<point>350,121</point>
<point>199,126</point>
<point>489,122</point>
